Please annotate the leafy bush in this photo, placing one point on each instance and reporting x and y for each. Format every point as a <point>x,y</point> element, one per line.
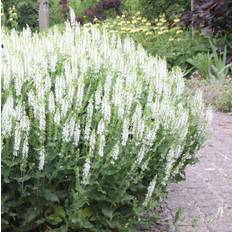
<point>26,13</point>
<point>93,129</point>
<point>154,8</point>
<point>202,63</point>
<point>213,15</point>
<point>211,65</point>
<point>100,11</point>
<point>224,102</point>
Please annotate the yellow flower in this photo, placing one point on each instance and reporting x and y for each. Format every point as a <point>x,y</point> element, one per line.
<point>148,24</point>
<point>170,39</point>
<point>144,20</point>
<point>123,16</point>
<point>163,20</point>
<point>139,18</point>
<point>176,20</point>
<point>134,22</point>
<point>149,33</point>
<point>159,24</point>
<point>160,32</point>
<point>179,32</point>
<point>138,13</point>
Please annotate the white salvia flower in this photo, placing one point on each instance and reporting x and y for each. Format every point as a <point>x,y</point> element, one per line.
<point>53,62</point>
<point>66,132</point>
<point>88,120</point>
<point>59,89</point>
<point>92,141</point>
<point>136,118</point>
<point>25,123</point>
<point>72,16</point>
<point>42,119</point>
<point>17,139</point>
<point>150,191</point>
<point>125,131</point>
<point>140,128</point>
<point>101,127</point>
<point>51,103</point>
<point>25,148</point>
<point>151,135</point>
<point>115,151</point>
<point>7,116</point>
<point>76,136</point>
<point>64,106</point>
<point>41,159</point>
<point>98,98</point>
<point>72,125</point>
<point>106,109</point>
<point>86,170</point>
<point>107,86</point>
<point>57,117</point>
<point>101,145</point>
<point>141,154</point>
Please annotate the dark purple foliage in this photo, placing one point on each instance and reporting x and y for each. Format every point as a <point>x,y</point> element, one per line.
<point>90,12</point>
<point>214,15</point>
<point>80,20</point>
<point>99,10</point>
<point>109,4</point>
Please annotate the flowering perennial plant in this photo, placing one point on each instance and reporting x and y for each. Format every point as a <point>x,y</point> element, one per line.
<point>93,129</point>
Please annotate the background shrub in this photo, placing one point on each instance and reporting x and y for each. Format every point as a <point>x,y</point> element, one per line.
<point>93,129</point>
<point>26,13</point>
<point>211,15</point>
<point>154,8</point>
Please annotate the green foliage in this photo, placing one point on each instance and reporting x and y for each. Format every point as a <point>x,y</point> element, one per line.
<point>224,101</point>
<point>202,63</point>
<point>211,65</point>
<point>26,13</point>
<point>154,8</point>
<point>80,6</point>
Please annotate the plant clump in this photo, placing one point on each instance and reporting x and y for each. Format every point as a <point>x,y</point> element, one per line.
<point>93,129</point>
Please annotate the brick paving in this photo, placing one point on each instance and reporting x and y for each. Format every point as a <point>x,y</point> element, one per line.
<point>204,200</point>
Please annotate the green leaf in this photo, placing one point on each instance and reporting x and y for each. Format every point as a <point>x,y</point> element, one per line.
<point>87,212</point>
<point>108,212</point>
<point>30,215</point>
<point>49,196</point>
<point>54,219</point>
<point>59,210</point>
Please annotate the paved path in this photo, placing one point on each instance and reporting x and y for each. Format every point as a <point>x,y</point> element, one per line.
<point>204,200</point>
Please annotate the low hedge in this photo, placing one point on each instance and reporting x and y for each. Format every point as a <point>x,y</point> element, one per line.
<point>93,129</point>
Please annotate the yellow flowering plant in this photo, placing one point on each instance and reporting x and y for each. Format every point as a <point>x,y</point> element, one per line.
<point>159,37</point>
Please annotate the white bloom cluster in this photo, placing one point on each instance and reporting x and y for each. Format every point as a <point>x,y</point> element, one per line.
<point>150,191</point>
<point>91,88</point>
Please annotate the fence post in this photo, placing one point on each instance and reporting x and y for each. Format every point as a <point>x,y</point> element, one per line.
<point>43,14</point>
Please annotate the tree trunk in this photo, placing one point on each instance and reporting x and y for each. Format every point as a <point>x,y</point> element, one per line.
<point>192,9</point>
<point>43,14</point>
